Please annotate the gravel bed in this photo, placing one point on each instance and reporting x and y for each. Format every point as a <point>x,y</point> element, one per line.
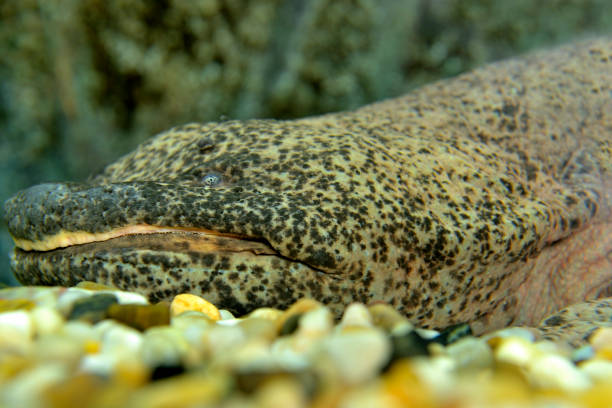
<point>93,346</point>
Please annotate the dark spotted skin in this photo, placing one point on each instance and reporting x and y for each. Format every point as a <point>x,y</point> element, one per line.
<point>462,201</point>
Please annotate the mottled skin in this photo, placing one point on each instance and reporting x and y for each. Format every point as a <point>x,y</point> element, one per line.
<point>485,198</point>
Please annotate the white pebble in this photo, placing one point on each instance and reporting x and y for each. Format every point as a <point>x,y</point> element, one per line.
<point>437,372</point>
<point>358,355</point>
<point>553,371</point>
<point>17,321</point>
<point>598,370</point>
<point>356,314</point>
<point>118,339</point>
<point>515,350</point>
<point>163,346</point>
<point>470,352</point>
<point>102,364</point>
<point>79,330</point>
<point>316,322</point>
<point>67,299</point>
<point>127,297</point>
<point>226,314</point>
<point>519,332</point>
<point>223,339</point>
<point>25,390</point>
<point>46,320</point>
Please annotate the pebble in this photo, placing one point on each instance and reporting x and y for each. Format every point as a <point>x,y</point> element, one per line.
<point>139,354</point>
<point>92,308</point>
<point>358,355</point>
<point>7,305</point>
<point>141,316</point>
<point>554,371</point>
<point>601,341</point>
<point>356,315</point>
<point>187,302</point>
<point>46,320</point>
<point>163,346</point>
<point>17,323</point>
<point>470,353</point>
<point>598,370</point>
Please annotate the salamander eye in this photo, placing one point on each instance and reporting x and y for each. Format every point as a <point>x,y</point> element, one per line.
<point>211,180</point>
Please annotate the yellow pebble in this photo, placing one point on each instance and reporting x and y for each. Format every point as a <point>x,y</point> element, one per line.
<point>94,286</point>
<point>131,373</point>
<point>7,305</point>
<point>185,302</point>
<point>91,346</point>
<point>602,339</point>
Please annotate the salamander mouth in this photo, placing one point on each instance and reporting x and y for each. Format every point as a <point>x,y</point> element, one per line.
<point>158,243</point>
<point>195,239</point>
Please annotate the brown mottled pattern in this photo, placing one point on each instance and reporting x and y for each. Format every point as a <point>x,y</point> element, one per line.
<point>485,198</point>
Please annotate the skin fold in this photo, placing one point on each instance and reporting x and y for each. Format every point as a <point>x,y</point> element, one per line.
<point>486,199</point>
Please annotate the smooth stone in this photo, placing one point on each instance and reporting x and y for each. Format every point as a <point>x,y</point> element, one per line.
<point>514,350</point>
<point>189,390</point>
<point>470,353</point>
<point>57,348</point>
<point>388,318</point>
<point>601,339</point>
<point>92,308</point>
<point>18,322</point>
<point>116,338</point>
<point>77,391</point>
<point>46,320</point>
<point>123,297</point>
<point>554,371</point>
<point>358,355</point>
<point>282,392</point>
<point>8,305</point>
<point>79,330</point>
<point>298,308</point>
<point>356,315</point>
<point>166,371</point>
<point>520,332</point>
<point>408,344</point>
<point>437,372</point>
<point>163,346</point>
<point>188,302</point>
<point>268,313</point>
<point>222,340</point>
<point>226,314</point>
<point>119,345</point>
<point>66,299</point>
<point>94,286</point>
<point>290,324</point>
<point>316,322</point>
<point>453,333</point>
<point>141,317</point>
<point>258,328</point>
<point>582,354</point>
<point>25,390</point>
<point>598,370</point>
<point>129,298</point>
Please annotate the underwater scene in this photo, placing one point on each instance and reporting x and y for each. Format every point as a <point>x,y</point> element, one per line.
<point>306,203</point>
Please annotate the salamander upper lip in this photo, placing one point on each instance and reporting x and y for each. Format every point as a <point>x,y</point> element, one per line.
<point>65,239</point>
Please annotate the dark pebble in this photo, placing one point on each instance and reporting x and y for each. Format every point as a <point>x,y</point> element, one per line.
<point>165,371</point>
<point>290,325</point>
<point>453,333</point>
<point>141,317</point>
<point>92,308</point>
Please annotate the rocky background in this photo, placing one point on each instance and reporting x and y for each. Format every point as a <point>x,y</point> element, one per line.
<point>84,81</point>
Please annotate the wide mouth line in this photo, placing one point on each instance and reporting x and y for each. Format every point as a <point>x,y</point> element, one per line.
<point>200,240</point>
<point>64,239</point>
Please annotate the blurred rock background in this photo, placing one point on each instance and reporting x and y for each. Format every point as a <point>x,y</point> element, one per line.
<point>84,81</point>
